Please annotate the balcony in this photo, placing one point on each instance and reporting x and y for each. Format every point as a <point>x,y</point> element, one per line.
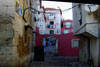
<point>84,23</point>
<point>88,29</point>
<point>51,26</point>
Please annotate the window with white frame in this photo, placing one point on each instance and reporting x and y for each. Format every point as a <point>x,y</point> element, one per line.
<point>66,31</point>
<point>68,24</point>
<point>51,16</point>
<point>75,43</point>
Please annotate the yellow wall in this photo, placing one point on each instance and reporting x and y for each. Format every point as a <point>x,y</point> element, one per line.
<point>22,38</point>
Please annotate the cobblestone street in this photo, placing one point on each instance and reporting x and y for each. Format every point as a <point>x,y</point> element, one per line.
<point>51,59</point>
<point>58,61</point>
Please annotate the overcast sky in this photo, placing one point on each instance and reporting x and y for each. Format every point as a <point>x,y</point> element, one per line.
<point>62,5</point>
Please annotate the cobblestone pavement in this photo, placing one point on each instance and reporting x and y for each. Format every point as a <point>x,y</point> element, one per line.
<point>59,61</point>
<point>52,60</point>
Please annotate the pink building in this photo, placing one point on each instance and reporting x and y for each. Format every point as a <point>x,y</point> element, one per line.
<point>67,44</point>
<point>66,26</point>
<point>51,27</point>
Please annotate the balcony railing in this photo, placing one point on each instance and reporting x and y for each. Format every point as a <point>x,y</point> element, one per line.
<point>51,26</point>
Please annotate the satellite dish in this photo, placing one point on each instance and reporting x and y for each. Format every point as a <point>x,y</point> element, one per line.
<point>91,7</point>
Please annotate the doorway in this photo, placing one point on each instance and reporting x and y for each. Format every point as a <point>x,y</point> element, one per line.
<point>50,45</point>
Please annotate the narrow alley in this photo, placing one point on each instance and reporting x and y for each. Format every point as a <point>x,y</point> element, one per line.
<point>49,33</point>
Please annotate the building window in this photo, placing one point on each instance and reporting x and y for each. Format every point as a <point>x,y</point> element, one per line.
<point>18,9</point>
<point>41,31</point>
<point>51,14</point>
<point>58,31</point>
<point>66,31</point>
<point>68,24</point>
<point>51,31</point>
<point>52,22</point>
<point>51,25</point>
<point>75,43</point>
<point>48,26</point>
<point>61,25</point>
<point>80,14</point>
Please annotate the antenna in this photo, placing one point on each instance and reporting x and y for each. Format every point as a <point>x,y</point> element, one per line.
<point>91,7</point>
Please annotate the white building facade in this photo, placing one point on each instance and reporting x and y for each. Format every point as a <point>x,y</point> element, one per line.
<point>52,21</point>
<point>86,26</point>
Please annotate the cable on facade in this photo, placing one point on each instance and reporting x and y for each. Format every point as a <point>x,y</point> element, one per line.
<point>31,11</point>
<point>35,10</point>
<point>64,10</point>
<point>70,8</point>
<point>89,9</point>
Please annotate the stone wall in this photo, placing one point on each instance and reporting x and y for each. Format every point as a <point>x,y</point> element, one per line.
<point>15,40</point>
<point>6,40</point>
<point>7,7</point>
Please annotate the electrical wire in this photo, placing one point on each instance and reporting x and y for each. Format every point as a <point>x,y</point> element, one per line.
<point>35,10</point>
<point>65,9</point>
<point>70,8</point>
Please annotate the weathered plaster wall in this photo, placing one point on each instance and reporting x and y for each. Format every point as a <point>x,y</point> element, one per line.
<point>23,34</point>
<point>76,18</point>
<point>94,51</point>
<point>15,34</point>
<point>7,8</point>
<point>91,28</point>
<point>83,49</point>
<point>6,41</point>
